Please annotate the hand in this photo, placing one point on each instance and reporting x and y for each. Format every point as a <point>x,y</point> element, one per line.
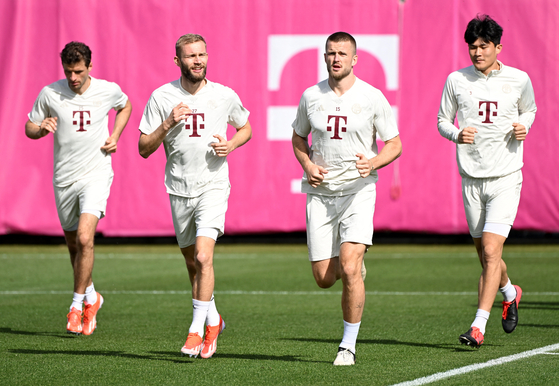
<point>48,126</point>
<point>467,135</point>
<point>221,148</point>
<point>110,146</point>
<point>179,113</point>
<point>315,174</point>
<point>363,165</point>
<point>519,131</point>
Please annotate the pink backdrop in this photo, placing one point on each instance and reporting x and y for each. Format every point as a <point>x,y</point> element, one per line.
<point>269,52</point>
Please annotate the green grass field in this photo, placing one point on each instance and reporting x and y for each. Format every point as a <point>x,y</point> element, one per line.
<point>281,328</point>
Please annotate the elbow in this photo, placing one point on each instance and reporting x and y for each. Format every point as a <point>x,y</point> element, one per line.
<point>143,151</point>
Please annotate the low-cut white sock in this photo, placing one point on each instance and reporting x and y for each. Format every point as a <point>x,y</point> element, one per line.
<point>508,291</point>
<point>351,330</point>
<point>199,313</point>
<point>90,294</point>
<point>77,301</point>
<point>212,319</point>
<point>481,320</point>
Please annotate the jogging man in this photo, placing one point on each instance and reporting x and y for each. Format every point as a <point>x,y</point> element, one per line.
<point>344,116</point>
<point>496,108</point>
<point>75,111</point>
<point>190,117</point>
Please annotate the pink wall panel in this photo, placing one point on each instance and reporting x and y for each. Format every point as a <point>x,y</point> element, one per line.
<point>269,52</point>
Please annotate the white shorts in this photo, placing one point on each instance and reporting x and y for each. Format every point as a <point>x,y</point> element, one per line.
<point>192,213</point>
<point>491,200</point>
<point>333,220</point>
<point>83,195</point>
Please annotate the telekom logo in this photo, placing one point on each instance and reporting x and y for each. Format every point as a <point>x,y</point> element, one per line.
<point>81,119</point>
<point>487,111</point>
<point>337,127</point>
<point>195,124</point>
<point>281,48</point>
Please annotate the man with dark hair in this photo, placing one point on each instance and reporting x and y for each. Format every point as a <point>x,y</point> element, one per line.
<point>344,116</point>
<point>496,108</point>
<point>75,111</point>
<point>189,116</point>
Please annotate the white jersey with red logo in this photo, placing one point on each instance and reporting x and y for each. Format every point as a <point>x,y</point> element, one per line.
<point>341,127</point>
<point>192,165</point>
<point>491,104</point>
<point>82,127</point>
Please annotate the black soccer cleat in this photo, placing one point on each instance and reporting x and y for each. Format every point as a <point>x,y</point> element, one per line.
<point>510,312</point>
<point>472,338</point>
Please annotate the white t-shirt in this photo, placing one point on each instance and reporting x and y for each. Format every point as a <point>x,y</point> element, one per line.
<point>341,127</point>
<point>491,104</point>
<point>192,165</point>
<point>82,127</point>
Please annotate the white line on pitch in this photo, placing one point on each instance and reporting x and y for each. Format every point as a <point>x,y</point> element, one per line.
<point>466,369</point>
<point>188,292</point>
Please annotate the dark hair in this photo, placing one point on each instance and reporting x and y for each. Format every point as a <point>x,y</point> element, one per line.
<point>484,28</point>
<point>337,37</point>
<point>75,52</point>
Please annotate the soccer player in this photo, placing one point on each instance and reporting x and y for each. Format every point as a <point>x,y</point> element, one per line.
<point>496,108</point>
<point>190,117</point>
<point>75,111</point>
<point>344,116</point>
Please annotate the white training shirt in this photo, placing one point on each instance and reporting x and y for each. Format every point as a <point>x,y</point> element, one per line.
<point>82,127</point>
<point>491,104</point>
<point>192,165</point>
<point>341,127</point>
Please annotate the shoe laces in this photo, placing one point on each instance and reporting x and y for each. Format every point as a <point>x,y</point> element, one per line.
<point>506,306</point>
<point>193,337</point>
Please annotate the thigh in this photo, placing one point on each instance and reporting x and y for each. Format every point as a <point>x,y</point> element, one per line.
<point>504,197</point>
<point>322,227</point>
<point>474,205</point>
<point>67,206</point>
<point>356,218</point>
<point>182,210</point>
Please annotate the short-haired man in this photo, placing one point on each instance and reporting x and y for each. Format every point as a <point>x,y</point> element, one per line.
<point>75,110</point>
<point>344,116</point>
<point>496,108</point>
<point>190,117</point>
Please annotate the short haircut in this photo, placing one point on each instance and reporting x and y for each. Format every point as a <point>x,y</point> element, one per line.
<point>338,37</point>
<point>187,39</point>
<point>75,52</point>
<point>484,28</point>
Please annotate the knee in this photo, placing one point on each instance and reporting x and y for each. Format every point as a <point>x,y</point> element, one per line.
<point>350,271</point>
<point>492,253</point>
<point>84,242</point>
<point>203,260</point>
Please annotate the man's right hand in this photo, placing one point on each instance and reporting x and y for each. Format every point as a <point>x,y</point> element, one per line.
<point>179,113</point>
<point>467,135</point>
<point>47,126</point>
<point>315,174</point>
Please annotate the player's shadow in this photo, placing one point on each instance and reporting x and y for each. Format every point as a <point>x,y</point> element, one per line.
<point>165,356</point>
<point>539,305</point>
<point>283,358</point>
<point>391,342</point>
<point>8,330</point>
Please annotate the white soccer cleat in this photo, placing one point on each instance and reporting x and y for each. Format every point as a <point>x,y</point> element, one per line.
<point>344,357</point>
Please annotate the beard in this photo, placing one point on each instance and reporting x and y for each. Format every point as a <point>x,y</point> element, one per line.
<point>191,77</point>
<point>339,75</point>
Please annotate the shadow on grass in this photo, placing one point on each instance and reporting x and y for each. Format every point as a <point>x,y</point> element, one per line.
<point>116,354</point>
<point>540,325</point>
<point>8,330</point>
<point>284,358</point>
<point>539,305</point>
<point>391,342</point>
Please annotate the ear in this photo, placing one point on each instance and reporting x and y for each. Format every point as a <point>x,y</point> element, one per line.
<point>90,66</point>
<point>177,62</point>
<point>498,48</point>
<point>354,60</point>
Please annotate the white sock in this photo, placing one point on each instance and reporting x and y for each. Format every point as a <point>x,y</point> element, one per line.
<point>90,294</point>
<point>77,301</point>
<point>199,313</point>
<point>481,320</point>
<point>350,335</point>
<point>212,319</point>
<point>508,291</point>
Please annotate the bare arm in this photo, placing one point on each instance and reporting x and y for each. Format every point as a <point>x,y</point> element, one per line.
<point>391,150</point>
<point>223,147</point>
<point>121,120</point>
<point>315,173</point>
<point>150,142</point>
<point>34,131</point>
